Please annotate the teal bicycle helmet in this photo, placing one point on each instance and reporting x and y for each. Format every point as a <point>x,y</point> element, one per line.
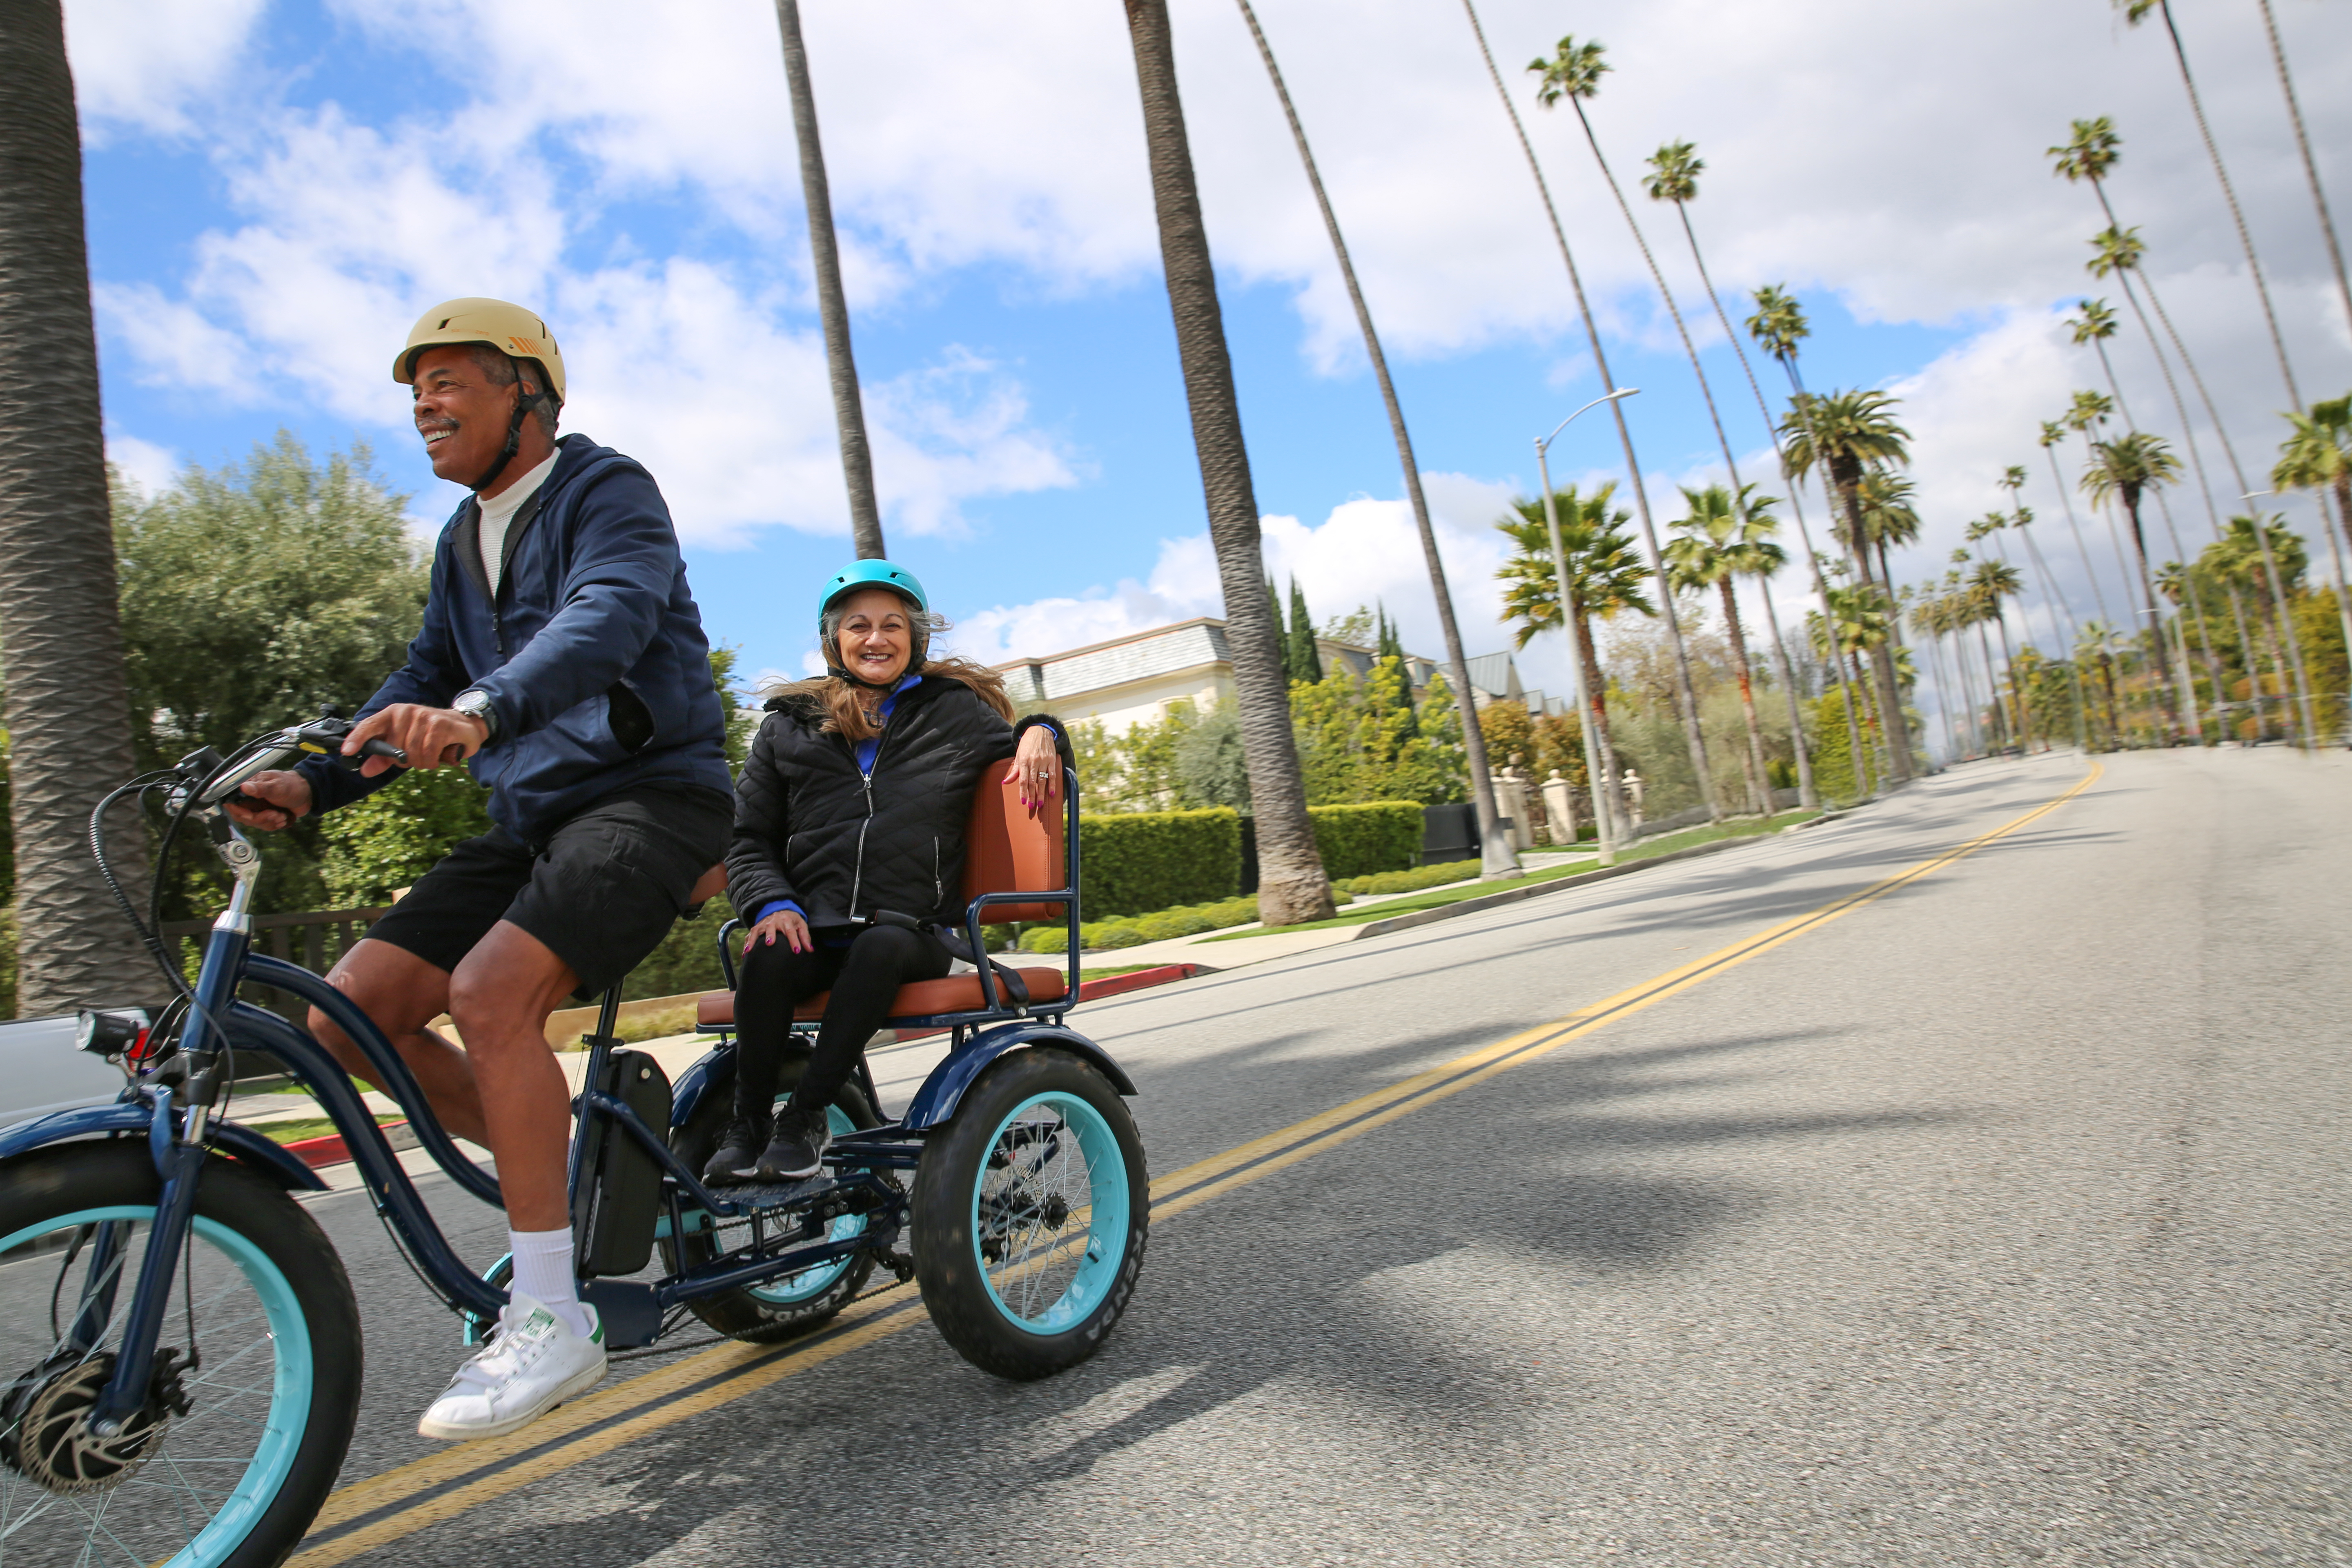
<point>875,573</point>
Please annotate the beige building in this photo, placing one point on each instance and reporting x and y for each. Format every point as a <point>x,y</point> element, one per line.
<point>1136,679</point>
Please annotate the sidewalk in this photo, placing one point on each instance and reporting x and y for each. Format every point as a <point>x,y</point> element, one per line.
<point>1234,952</point>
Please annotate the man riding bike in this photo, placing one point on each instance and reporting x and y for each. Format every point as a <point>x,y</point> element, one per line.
<point>562,659</point>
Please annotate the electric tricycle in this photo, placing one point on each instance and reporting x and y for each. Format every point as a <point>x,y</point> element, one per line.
<point>179,1345</point>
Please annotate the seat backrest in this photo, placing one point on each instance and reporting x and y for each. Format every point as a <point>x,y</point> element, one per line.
<point>1006,850</point>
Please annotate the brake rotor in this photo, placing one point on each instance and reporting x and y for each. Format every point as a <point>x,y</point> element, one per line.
<point>46,1435</point>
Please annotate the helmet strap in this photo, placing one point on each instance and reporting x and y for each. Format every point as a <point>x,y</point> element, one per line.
<point>524,402</point>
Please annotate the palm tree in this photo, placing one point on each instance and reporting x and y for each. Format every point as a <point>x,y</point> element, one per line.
<point>833,306</point>
<point>1856,623</point>
<point>1779,326</point>
<point>1678,166</point>
<point>1994,582</point>
<point>2053,434</point>
<point>2096,637</point>
<point>1888,517</point>
<point>2310,168</point>
<point>2135,13</point>
<point>1725,538</point>
<point>2117,254</point>
<point>68,712</point>
<point>1495,848</point>
<point>2127,469</point>
<point>1292,886</point>
<point>1848,432</point>
<point>2061,636</point>
<point>1606,575</point>
<point>2318,456</point>
<point>1689,698</point>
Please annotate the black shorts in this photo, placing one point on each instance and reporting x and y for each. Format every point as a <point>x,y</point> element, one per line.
<point>602,891</point>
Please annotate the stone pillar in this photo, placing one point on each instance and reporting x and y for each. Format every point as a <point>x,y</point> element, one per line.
<point>1511,800</point>
<point>1559,808</point>
<point>1633,796</point>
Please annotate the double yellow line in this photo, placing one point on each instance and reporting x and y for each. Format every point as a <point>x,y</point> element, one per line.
<point>399,1503</point>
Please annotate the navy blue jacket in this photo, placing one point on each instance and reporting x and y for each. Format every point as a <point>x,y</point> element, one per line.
<point>591,651</point>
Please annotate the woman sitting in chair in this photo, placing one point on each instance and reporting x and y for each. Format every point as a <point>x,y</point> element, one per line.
<point>848,849</point>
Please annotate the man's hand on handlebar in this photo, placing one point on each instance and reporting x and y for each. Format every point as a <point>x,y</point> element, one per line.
<point>278,798</point>
<point>433,737</point>
<point>784,924</point>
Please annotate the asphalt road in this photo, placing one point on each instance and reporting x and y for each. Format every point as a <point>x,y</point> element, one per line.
<point>2000,1218</point>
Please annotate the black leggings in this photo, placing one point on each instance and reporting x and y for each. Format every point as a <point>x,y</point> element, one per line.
<point>863,977</point>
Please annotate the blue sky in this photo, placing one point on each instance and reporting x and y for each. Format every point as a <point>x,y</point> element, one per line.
<point>276,189</point>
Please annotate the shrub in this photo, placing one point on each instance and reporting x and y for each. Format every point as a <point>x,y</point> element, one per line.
<point>1410,881</point>
<point>1136,861</point>
<point>1357,840</point>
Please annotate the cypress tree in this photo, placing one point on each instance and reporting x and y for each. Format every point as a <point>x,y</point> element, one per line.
<point>1283,643</point>
<point>1305,659</point>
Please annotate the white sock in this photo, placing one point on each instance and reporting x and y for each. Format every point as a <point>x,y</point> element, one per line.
<point>542,1270</point>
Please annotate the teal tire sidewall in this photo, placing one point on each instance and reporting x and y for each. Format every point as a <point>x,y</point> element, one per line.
<point>1109,1205</point>
<point>303,1294</point>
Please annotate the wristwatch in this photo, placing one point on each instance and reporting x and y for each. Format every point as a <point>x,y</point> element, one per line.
<point>474,703</point>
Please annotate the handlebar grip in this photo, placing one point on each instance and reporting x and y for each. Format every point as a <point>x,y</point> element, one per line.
<point>380,747</point>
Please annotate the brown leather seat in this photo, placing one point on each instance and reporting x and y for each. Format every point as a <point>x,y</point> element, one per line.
<point>1006,850</point>
<point>923,999</point>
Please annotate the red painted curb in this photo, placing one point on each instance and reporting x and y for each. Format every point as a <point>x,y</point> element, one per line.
<point>328,1150</point>
<point>1113,985</point>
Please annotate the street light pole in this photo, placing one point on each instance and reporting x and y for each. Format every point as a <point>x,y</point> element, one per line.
<point>1603,810</point>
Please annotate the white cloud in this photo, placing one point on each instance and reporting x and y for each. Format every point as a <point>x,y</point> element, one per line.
<point>143,63</point>
<point>148,466</point>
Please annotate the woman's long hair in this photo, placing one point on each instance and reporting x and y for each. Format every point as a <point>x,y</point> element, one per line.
<point>846,704</point>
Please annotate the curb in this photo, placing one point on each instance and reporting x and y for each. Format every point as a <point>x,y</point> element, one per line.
<point>333,1150</point>
<point>1537,889</point>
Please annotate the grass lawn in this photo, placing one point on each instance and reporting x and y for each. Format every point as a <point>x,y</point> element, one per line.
<point>313,1126</point>
<point>1647,849</point>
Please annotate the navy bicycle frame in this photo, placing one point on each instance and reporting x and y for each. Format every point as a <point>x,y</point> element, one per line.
<point>181,1136</point>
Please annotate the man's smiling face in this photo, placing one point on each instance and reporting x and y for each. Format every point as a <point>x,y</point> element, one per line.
<point>461,413</point>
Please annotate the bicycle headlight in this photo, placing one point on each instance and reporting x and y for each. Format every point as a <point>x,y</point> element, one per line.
<point>123,1032</point>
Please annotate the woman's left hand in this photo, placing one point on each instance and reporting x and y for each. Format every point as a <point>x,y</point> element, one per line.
<point>1038,766</point>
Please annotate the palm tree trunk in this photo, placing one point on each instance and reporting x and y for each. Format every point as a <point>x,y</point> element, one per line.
<point>2147,594</point>
<point>1829,499</point>
<point>833,306</point>
<point>1689,698</point>
<point>2310,169</point>
<point>1496,854</point>
<point>1881,661</point>
<point>1759,782</point>
<point>2230,194</point>
<point>1606,791</point>
<point>1292,886</point>
<point>2062,636</point>
<point>2016,687</point>
<point>1992,688</point>
<point>1807,796</point>
<point>69,712</point>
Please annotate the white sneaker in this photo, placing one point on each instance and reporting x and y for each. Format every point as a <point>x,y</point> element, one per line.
<point>534,1362</point>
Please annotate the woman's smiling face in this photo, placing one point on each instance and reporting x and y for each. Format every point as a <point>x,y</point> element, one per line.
<point>876,635</point>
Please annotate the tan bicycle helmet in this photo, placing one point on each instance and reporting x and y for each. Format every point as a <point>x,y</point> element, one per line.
<point>512,332</point>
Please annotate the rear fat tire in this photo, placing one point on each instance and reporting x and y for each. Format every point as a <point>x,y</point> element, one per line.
<point>52,1183</point>
<point>969,1313</point>
<point>746,1314</point>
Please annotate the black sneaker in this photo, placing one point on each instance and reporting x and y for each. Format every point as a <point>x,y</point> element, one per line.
<point>739,1151</point>
<point>798,1148</point>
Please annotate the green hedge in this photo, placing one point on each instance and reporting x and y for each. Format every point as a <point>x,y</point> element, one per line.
<point>1357,840</point>
<point>1132,861</point>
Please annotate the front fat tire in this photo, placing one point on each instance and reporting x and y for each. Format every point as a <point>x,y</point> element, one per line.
<point>969,1314</point>
<point>118,1173</point>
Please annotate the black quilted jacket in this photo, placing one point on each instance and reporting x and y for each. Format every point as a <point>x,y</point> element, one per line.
<point>809,827</point>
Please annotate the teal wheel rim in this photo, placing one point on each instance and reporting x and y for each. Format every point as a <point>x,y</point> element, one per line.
<point>797,1289</point>
<point>256,1380</point>
<point>1049,1212</point>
